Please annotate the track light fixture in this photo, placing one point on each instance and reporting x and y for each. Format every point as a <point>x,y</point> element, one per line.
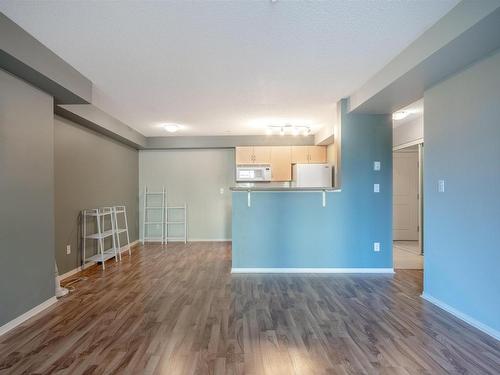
<point>288,129</point>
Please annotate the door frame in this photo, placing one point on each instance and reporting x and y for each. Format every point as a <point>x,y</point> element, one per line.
<point>420,143</point>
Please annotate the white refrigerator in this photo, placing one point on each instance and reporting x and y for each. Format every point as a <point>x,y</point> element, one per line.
<point>312,175</point>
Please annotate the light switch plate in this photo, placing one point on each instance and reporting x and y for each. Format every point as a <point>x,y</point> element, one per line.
<point>221,191</point>
<point>68,249</point>
<point>376,246</point>
<point>376,188</point>
<point>441,186</point>
<point>376,166</point>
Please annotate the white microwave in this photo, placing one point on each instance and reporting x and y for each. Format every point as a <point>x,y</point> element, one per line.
<point>245,173</point>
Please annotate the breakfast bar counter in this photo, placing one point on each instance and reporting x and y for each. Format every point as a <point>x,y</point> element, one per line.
<point>279,229</point>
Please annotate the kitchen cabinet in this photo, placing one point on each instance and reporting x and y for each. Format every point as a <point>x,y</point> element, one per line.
<point>280,158</point>
<point>300,154</point>
<point>253,155</point>
<point>261,155</point>
<point>317,154</point>
<point>308,154</point>
<point>281,163</point>
<point>244,155</point>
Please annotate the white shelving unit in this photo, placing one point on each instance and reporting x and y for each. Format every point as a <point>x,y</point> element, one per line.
<point>172,223</point>
<point>117,212</point>
<point>149,211</point>
<point>101,216</point>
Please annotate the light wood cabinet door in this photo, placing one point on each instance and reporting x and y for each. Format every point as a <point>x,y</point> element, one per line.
<point>262,155</point>
<point>300,154</point>
<point>244,155</point>
<point>317,154</point>
<point>281,163</point>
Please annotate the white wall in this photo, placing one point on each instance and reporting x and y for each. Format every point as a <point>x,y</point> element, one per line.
<point>410,131</point>
<point>194,176</point>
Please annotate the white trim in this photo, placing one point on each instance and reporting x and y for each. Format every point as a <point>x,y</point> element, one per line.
<point>132,244</point>
<point>460,315</point>
<point>71,273</point>
<point>200,240</point>
<point>28,314</point>
<point>312,270</point>
<point>291,190</point>
<point>209,240</point>
<point>408,144</point>
<point>88,264</point>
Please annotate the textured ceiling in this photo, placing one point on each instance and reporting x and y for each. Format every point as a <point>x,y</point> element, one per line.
<point>225,67</point>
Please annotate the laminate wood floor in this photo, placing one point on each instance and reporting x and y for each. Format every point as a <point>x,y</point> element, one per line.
<point>178,310</point>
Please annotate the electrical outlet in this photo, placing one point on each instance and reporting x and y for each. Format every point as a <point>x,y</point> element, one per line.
<point>221,191</point>
<point>376,246</point>
<point>68,249</point>
<point>441,186</point>
<point>376,166</point>
<point>376,188</point>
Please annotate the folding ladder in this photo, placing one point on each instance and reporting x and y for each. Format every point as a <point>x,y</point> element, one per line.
<point>154,215</point>
<point>100,215</point>
<point>176,222</point>
<point>121,210</point>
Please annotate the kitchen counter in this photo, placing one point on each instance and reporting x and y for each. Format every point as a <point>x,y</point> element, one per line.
<point>278,228</point>
<point>277,186</point>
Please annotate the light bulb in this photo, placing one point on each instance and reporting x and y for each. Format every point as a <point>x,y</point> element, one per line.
<point>400,115</point>
<point>171,128</point>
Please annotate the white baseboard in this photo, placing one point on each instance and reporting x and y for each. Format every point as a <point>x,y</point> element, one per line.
<point>209,239</point>
<point>312,270</point>
<point>199,240</point>
<point>460,315</point>
<point>78,269</point>
<point>132,244</point>
<point>28,314</point>
<point>69,273</point>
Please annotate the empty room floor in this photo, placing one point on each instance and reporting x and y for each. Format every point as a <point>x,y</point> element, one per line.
<point>178,310</point>
<point>407,255</point>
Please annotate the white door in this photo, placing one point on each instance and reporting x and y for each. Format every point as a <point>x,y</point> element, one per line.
<point>405,195</point>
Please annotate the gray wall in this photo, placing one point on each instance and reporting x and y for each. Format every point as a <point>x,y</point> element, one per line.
<point>24,56</point>
<point>226,141</point>
<point>194,177</point>
<point>410,131</point>
<point>462,224</point>
<point>26,197</point>
<point>91,170</point>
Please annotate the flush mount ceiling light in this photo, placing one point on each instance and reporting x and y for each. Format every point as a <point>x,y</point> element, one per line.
<point>400,115</point>
<point>290,129</point>
<point>171,128</point>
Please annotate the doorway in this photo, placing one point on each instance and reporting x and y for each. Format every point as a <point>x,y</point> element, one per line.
<point>408,150</point>
<point>408,248</point>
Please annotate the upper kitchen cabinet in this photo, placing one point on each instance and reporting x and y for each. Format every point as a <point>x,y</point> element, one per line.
<point>244,155</point>
<point>317,154</point>
<point>308,154</point>
<point>281,163</point>
<point>253,155</point>
<point>300,154</point>
<point>262,155</point>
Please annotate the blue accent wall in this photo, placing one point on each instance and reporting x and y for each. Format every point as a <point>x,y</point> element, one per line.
<point>462,224</point>
<point>294,230</point>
